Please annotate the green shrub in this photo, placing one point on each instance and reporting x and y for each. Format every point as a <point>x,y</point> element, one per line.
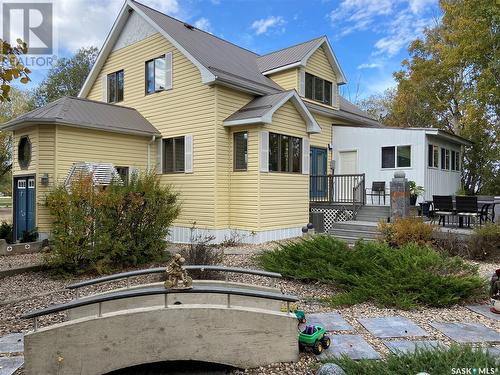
<point>6,231</point>
<point>485,242</point>
<point>405,231</point>
<point>405,277</point>
<point>435,362</point>
<point>103,229</point>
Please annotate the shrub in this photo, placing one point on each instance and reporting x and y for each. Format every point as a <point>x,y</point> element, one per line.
<point>29,235</point>
<point>102,229</point>
<point>201,252</point>
<point>438,361</point>
<point>485,242</point>
<point>405,277</point>
<point>405,231</point>
<point>6,231</point>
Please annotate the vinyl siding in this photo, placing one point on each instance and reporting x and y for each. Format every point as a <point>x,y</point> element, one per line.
<point>284,197</point>
<point>319,65</point>
<point>188,108</point>
<point>46,164</point>
<point>288,79</point>
<point>32,133</point>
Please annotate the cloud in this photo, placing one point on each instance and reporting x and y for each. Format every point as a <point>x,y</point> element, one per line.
<point>419,6</point>
<point>263,25</point>
<point>203,24</point>
<point>80,23</point>
<point>369,66</point>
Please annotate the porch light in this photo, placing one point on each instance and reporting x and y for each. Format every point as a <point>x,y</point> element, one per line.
<point>44,180</point>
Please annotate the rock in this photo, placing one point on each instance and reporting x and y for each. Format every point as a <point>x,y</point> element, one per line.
<point>330,369</point>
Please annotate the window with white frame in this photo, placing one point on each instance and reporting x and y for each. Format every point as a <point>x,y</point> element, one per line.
<point>173,155</point>
<point>445,159</point>
<point>433,156</point>
<point>318,89</point>
<point>159,73</point>
<point>115,87</point>
<point>396,156</point>
<point>285,153</point>
<point>240,155</point>
<point>455,160</point>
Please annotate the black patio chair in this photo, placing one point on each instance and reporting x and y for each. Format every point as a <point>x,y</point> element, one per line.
<point>466,207</point>
<point>486,208</point>
<point>378,190</point>
<point>442,207</point>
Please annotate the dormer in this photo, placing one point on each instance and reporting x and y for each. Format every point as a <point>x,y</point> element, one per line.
<point>311,68</point>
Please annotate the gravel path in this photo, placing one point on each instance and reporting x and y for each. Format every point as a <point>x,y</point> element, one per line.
<point>21,260</point>
<point>24,292</point>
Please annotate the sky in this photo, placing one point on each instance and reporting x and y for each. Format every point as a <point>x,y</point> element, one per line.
<point>369,37</point>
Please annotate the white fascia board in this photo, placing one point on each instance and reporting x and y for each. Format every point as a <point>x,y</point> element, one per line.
<point>341,80</point>
<point>106,49</point>
<point>281,68</point>
<point>206,76</point>
<point>246,121</point>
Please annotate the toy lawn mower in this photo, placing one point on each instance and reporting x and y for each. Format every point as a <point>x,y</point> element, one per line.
<point>495,292</point>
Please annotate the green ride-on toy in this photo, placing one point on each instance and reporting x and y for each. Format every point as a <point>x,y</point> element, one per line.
<point>314,338</point>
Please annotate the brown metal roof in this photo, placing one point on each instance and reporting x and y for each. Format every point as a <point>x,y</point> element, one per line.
<point>87,113</point>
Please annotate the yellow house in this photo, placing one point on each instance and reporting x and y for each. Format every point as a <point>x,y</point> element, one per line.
<point>236,133</point>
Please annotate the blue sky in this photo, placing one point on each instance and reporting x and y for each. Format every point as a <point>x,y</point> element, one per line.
<point>369,37</point>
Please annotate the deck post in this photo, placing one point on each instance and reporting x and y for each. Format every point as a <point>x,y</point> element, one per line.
<point>35,323</point>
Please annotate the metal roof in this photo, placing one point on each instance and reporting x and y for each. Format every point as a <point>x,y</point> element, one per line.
<point>258,107</point>
<point>89,114</point>
<point>228,62</point>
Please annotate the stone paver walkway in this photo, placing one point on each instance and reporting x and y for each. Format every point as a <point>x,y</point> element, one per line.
<point>467,332</point>
<point>330,321</point>
<point>12,343</point>
<point>484,310</point>
<point>354,346</point>
<point>406,346</point>
<point>392,326</point>
<point>9,365</point>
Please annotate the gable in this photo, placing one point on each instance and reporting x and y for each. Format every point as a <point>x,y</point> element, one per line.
<point>319,65</point>
<point>135,30</point>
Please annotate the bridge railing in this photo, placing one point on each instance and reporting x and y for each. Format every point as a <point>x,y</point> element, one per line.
<point>128,275</point>
<point>99,299</point>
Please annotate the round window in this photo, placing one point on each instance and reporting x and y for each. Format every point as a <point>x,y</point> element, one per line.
<point>24,152</point>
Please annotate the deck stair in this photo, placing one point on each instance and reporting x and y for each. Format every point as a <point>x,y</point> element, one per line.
<point>351,231</point>
<point>373,213</point>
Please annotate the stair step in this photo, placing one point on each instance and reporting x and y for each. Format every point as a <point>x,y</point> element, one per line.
<point>351,240</point>
<point>353,233</point>
<point>354,226</point>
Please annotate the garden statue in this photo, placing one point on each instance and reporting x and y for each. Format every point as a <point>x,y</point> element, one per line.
<point>495,292</point>
<point>177,277</point>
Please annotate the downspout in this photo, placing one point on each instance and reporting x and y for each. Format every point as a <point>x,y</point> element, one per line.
<point>153,139</point>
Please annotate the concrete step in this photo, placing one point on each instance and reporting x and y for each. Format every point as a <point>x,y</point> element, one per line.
<point>353,233</point>
<point>351,240</point>
<point>372,219</point>
<point>355,225</point>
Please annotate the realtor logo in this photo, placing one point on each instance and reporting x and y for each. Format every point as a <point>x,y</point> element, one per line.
<point>32,22</point>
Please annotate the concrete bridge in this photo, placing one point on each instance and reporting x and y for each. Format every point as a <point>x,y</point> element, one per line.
<point>234,324</point>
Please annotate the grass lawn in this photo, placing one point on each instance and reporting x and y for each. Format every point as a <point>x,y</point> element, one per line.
<point>408,277</point>
<point>5,202</point>
<point>435,362</point>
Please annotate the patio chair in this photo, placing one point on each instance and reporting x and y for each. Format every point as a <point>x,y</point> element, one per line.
<point>467,208</point>
<point>378,190</point>
<point>442,207</point>
<point>486,208</point>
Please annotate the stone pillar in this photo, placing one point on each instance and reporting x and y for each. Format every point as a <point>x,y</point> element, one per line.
<point>400,196</point>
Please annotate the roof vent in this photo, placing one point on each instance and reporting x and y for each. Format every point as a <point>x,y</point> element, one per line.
<point>187,25</point>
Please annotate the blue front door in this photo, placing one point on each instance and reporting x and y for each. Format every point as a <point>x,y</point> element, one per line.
<point>319,181</point>
<point>24,205</point>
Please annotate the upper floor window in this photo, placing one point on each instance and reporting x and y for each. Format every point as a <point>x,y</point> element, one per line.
<point>240,151</point>
<point>115,87</point>
<point>173,155</point>
<point>285,153</point>
<point>396,157</point>
<point>318,89</point>
<point>159,73</point>
<point>433,156</point>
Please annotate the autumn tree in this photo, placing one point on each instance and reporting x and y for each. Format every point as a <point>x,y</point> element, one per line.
<point>65,78</point>
<point>451,81</point>
<point>378,106</point>
<point>11,67</point>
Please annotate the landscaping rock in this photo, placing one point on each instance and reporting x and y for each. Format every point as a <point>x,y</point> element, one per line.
<point>330,369</point>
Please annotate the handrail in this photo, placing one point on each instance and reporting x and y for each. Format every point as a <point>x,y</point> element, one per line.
<point>155,291</point>
<point>147,271</point>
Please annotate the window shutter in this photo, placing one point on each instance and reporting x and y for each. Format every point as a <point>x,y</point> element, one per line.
<point>264,151</point>
<point>159,157</point>
<point>302,82</point>
<point>168,70</point>
<point>305,156</point>
<point>188,154</point>
<point>105,88</point>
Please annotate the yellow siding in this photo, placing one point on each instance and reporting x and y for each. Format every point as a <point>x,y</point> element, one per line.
<point>288,79</point>
<point>32,133</point>
<point>46,165</point>
<point>189,108</point>
<point>319,65</point>
<point>79,145</point>
<point>284,197</point>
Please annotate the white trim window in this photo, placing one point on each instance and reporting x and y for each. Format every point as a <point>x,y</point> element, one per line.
<point>115,86</point>
<point>285,153</point>
<point>240,151</point>
<point>396,157</point>
<point>318,89</point>
<point>445,159</point>
<point>158,74</point>
<point>455,161</point>
<point>173,155</point>
<point>433,156</point>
